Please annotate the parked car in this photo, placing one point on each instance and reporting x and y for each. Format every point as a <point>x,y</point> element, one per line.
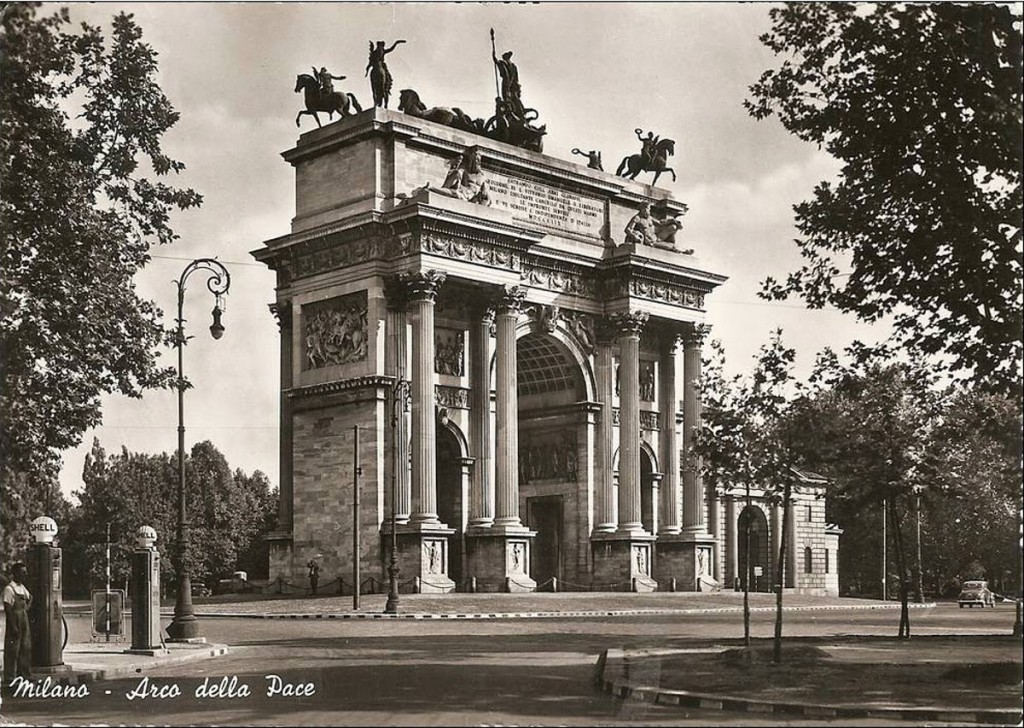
<point>976,592</point>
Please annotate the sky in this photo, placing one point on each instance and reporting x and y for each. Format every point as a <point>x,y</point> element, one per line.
<point>594,71</point>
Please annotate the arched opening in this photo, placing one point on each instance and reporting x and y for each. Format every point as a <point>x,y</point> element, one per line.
<point>648,502</point>
<point>449,495</point>
<point>549,381</point>
<point>753,562</point>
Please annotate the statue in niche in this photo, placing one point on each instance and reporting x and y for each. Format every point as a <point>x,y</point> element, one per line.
<point>594,158</point>
<point>647,381</point>
<point>448,353</point>
<point>641,560</point>
<point>702,567</point>
<point>434,557</point>
<point>377,70</point>
<point>335,335</point>
<point>654,152</point>
<point>517,557</point>
<point>465,180</point>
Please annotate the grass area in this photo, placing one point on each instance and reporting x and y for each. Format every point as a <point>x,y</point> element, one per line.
<point>891,678</point>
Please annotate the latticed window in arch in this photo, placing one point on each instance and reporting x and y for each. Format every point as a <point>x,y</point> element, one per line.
<point>544,367</point>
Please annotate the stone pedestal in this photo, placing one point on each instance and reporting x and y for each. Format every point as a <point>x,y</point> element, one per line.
<point>423,556</point>
<point>499,559</point>
<point>688,559</point>
<point>622,561</point>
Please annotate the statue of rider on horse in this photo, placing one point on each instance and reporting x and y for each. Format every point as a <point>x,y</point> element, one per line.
<point>654,151</point>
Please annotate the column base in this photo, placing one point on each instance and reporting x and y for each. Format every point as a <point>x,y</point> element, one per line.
<point>498,558</point>
<point>423,557</point>
<point>622,561</point>
<point>686,560</point>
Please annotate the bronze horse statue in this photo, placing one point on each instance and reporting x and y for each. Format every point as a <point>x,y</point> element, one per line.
<point>338,101</point>
<point>409,103</point>
<point>634,163</point>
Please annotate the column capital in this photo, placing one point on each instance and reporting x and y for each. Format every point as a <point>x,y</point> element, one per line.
<point>422,285</point>
<point>509,299</point>
<point>627,324</point>
<point>694,335</point>
<point>282,311</point>
<point>396,292</point>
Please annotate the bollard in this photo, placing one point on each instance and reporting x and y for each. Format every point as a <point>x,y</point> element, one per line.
<point>554,584</point>
<point>416,588</point>
<point>672,584</point>
<point>472,585</point>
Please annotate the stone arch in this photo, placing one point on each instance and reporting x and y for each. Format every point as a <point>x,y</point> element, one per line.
<point>759,554</point>
<point>445,422</point>
<point>576,350</point>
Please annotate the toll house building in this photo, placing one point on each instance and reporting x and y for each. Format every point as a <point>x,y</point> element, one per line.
<point>523,381</point>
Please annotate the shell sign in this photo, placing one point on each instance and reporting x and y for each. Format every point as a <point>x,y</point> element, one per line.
<point>43,529</point>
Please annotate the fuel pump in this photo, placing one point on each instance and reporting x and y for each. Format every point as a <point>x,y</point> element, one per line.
<point>46,615</point>
<point>146,593</point>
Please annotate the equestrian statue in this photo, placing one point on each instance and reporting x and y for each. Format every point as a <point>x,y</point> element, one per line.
<point>652,157</point>
<point>321,96</point>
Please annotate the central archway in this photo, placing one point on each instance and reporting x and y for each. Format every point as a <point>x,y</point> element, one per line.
<point>550,381</point>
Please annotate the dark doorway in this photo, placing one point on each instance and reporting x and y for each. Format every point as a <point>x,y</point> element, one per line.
<point>757,559</point>
<point>646,492</point>
<point>449,496</point>
<point>545,517</point>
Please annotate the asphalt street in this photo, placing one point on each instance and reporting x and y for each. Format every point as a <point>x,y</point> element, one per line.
<point>481,672</point>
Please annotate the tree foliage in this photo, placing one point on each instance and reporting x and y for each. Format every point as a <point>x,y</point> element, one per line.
<point>228,512</point>
<point>921,103</point>
<point>80,205</point>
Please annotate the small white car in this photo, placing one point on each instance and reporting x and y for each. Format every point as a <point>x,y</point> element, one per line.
<point>976,592</point>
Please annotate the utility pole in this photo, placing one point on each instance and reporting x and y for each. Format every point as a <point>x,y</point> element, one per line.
<point>919,575</point>
<point>356,471</point>
<point>885,513</point>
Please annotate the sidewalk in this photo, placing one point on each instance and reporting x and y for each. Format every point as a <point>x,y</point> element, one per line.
<point>94,661</point>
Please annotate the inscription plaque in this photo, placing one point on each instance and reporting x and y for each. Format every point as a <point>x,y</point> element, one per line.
<point>545,206</point>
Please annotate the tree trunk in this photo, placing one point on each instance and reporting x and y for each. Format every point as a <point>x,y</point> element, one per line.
<point>901,565</point>
<point>781,573</point>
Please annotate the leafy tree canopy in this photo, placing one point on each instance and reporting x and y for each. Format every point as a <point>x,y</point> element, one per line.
<point>922,105</point>
<point>80,205</point>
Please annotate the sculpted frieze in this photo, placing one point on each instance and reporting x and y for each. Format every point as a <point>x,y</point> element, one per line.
<point>449,346</point>
<point>334,331</point>
<point>648,419</point>
<point>560,281</point>
<point>451,397</point>
<point>544,456</point>
<point>472,251</point>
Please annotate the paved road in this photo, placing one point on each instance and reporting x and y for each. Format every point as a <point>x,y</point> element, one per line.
<point>509,672</point>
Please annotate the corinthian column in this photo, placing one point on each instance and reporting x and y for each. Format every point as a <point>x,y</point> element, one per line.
<point>669,401</point>
<point>604,371</point>
<point>397,435</point>
<point>481,494</point>
<point>693,482</point>
<point>630,326</point>
<point>506,467</point>
<point>422,291</point>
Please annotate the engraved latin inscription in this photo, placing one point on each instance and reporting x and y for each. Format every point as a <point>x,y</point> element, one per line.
<point>546,206</point>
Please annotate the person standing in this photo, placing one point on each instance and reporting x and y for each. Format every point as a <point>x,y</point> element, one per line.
<point>380,76</point>
<point>18,635</point>
<point>314,575</point>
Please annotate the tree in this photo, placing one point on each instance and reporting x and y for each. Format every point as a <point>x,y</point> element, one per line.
<point>922,105</point>
<point>874,417</point>
<point>229,512</point>
<point>79,209</point>
<point>744,442</point>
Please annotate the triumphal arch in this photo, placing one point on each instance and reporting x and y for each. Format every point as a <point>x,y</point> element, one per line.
<point>515,340</point>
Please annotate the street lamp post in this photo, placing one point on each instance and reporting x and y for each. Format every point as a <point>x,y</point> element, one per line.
<point>184,627</point>
<point>399,394</point>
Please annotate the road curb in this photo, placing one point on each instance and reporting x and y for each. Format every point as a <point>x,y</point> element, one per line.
<point>610,677</point>
<point>544,615</point>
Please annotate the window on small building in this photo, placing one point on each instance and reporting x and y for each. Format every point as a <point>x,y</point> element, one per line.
<point>828,564</point>
<point>808,560</point>
<point>807,513</point>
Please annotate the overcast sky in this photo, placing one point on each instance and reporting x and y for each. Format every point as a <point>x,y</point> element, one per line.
<point>594,72</point>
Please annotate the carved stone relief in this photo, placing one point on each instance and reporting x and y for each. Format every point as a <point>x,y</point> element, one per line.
<point>449,348</point>
<point>646,380</point>
<point>334,331</point>
<point>451,397</point>
<point>545,456</point>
